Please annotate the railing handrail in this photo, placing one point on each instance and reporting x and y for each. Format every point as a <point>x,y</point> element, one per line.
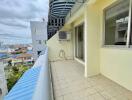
<point>42,91</point>
<point>76,6</point>
<point>38,80</point>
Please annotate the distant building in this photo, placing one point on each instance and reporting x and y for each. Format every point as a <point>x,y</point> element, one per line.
<point>24,56</point>
<point>3,55</point>
<point>57,13</point>
<point>3,83</point>
<point>3,47</point>
<point>1,43</point>
<point>39,37</point>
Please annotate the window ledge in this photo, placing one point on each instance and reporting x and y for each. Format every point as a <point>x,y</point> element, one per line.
<point>119,47</point>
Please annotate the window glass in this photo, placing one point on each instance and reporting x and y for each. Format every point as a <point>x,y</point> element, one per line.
<point>116,23</point>
<point>39,42</point>
<point>79,40</point>
<point>39,52</point>
<point>52,21</point>
<point>55,22</point>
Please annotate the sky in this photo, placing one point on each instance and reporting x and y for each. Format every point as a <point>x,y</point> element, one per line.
<point>15,17</point>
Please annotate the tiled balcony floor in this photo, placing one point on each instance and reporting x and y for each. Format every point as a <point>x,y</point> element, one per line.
<point>70,84</point>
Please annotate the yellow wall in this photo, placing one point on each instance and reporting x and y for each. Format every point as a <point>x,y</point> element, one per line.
<point>117,65</point>
<point>114,63</point>
<point>93,28</point>
<point>55,46</point>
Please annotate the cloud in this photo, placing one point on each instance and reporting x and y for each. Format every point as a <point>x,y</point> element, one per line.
<point>23,9</point>
<point>12,30</point>
<point>6,35</point>
<point>15,16</point>
<point>15,22</point>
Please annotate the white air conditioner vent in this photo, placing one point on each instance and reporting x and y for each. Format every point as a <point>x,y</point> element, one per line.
<point>64,36</point>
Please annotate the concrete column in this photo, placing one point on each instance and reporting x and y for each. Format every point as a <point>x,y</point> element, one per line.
<point>92,37</point>
<point>85,41</point>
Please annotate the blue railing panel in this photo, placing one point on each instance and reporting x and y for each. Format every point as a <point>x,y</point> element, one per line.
<point>34,84</point>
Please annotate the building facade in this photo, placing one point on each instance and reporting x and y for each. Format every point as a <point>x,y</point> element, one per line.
<point>39,37</point>
<point>58,9</point>
<point>3,83</point>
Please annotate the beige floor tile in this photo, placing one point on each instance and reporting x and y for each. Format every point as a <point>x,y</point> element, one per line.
<point>121,97</point>
<point>106,95</point>
<point>90,91</point>
<point>68,97</point>
<point>96,96</point>
<point>59,98</point>
<point>70,84</point>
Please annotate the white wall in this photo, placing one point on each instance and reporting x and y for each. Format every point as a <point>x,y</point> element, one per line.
<point>55,46</point>
<point>39,33</point>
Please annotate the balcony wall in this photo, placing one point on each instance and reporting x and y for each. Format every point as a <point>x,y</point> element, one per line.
<point>55,47</point>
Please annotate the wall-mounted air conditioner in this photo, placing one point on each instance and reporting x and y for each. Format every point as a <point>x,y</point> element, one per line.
<point>64,36</point>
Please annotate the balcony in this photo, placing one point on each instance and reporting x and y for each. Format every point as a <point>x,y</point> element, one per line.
<point>64,80</point>
<point>70,84</point>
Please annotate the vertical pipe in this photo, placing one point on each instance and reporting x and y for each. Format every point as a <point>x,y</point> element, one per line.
<point>85,41</point>
<point>129,26</point>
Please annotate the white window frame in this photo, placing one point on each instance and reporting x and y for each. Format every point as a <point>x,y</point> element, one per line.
<point>129,27</point>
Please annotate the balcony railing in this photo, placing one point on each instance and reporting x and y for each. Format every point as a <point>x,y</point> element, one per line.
<point>74,9</point>
<point>35,84</point>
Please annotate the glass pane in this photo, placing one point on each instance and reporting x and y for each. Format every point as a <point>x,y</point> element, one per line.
<point>79,42</point>
<point>76,41</point>
<point>116,23</point>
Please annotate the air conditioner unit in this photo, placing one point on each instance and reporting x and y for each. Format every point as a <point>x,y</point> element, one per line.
<point>64,36</point>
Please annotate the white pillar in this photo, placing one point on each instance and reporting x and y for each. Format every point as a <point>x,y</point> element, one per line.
<point>85,41</point>
<point>129,25</point>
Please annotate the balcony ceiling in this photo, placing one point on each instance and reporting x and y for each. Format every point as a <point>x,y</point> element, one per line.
<point>60,8</point>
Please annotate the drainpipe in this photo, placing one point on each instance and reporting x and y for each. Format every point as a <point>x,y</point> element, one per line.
<point>85,40</point>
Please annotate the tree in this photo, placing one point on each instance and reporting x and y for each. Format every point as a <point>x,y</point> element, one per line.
<point>14,74</point>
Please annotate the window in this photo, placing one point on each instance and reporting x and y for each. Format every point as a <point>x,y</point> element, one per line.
<point>62,21</point>
<point>117,23</point>
<point>56,22</point>
<point>79,42</point>
<point>39,52</point>
<point>52,21</point>
<point>39,41</point>
<point>59,22</point>
<point>0,91</point>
